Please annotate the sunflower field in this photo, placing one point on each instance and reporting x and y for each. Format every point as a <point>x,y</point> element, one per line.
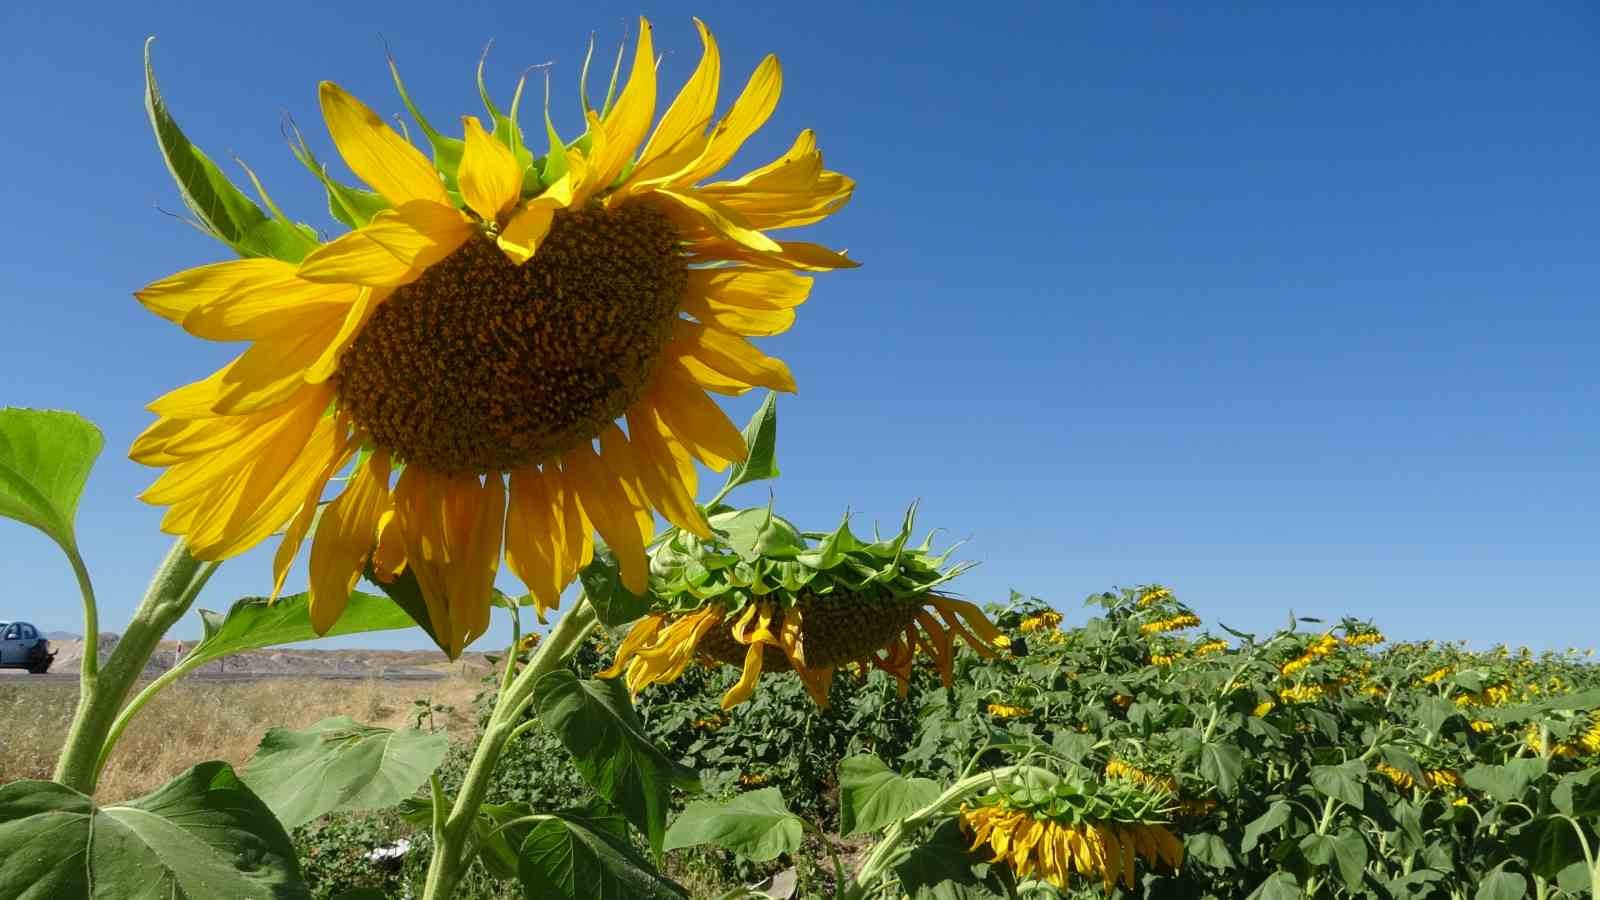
<point>509,356</point>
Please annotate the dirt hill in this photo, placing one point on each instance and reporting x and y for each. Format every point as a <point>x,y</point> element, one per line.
<point>278,662</point>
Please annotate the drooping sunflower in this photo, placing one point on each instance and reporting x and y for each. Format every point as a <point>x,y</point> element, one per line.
<point>1099,835</point>
<point>764,596</point>
<point>485,325</point>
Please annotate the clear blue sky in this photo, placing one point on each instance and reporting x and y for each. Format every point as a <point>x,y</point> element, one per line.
<point>1284,305</point>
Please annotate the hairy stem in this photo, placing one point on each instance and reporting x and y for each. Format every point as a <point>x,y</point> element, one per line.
<point>449,861</point>
<point>171,591</point>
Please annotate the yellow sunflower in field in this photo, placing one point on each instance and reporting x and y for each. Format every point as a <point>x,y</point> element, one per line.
<point>485,325</point>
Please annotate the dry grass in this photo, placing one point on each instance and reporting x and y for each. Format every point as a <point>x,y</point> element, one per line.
<point>196,720</point>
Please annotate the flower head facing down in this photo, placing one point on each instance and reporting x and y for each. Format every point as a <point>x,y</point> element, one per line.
<point>467,351</point>
<point>764,596</point>
<point>1099,837</point>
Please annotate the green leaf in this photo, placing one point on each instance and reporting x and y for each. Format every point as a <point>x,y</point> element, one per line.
<point>1281,886</point>
<point>447,151</point>
<point>761,440</point>
<point>201,835</point>
<point>1578,794</point>
<point>613,603</point>
<point>572,858</point>
<point>756,825</point>
<point>1342,782</point>
<point>253,623</point>
<point>45,458</point>
<point>1350,852</point>
<point>871,797</point>
<point>223,210</point>
<point>595,722</point>
<point>1502,885</point>
<point>941,869</point>
<point>1505,783</point>
<point>1208,849</point>
<point>1221,764</point>
<point>1276,816</point>
<point>1547,844</point>
<point>340,764</point>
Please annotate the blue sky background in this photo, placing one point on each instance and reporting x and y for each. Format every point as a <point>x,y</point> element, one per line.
<point>1284,305</point>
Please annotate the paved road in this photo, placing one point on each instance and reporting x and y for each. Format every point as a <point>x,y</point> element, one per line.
<point>20,678</point>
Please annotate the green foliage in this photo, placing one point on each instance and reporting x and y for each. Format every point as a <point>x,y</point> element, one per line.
<point>222,210</point>
<point>569,857</point>
<point>256,622</point>
<point>203,834</point>
<point>339,764</point>
<point>595,722</point>
<point>45,458</point>
<point>757,825</point>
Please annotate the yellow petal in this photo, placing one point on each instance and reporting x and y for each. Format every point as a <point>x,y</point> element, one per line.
<point>661,478</point>
<point>175,296</point>
<point>738,319</point>
<point>749,113</point>
<point>705,376</point>
<point>699,217</point>
<point>378,156</point>
<point>263,495</point>
<point>791,255</point>
<point>393,249</point>
<point>607,503</point>
<point>679,138</point>
<point>731,355</point>
<point>268,307</point>
<point>198,474</point>
<point>481,509</point>
<point>750,288</point>
<point>273,370</point>
<point>696,421</point>
<point>295,534</point>
<point>389,557</point>
<point>419,514</point>
<point>626,123</point>
<point>345,537</point>
<point>521,237</point>
<point>490,177</point>
<point>533,538</point>
<point>748,678</point>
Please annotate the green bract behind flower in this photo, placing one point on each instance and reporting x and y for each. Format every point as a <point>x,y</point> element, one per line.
<point>761,594</point>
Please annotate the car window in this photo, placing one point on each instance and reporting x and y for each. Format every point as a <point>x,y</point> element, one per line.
<point>12,633</point>
<point>28,633</point>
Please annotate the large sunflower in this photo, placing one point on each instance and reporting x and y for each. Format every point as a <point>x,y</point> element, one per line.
<point>763,595</point>
<point>486,325</point>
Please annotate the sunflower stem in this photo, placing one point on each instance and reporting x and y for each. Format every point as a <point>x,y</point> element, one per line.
<point>172,590</point>
<point>450,860</point>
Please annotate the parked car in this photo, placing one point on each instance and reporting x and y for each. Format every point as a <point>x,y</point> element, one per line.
<point>23,647</point>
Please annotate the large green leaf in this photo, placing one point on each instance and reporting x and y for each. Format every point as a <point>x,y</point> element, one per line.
<point>45,458</point>
<point>254,622</point>
<point>1547,845</point>
<point>201,836</point>
<point>595,721</point>
<point>567,857</point>
<point>871,797</point>
<point>1221,764</point>
<point>1502,885</point>
<point>1578,794</point>
<point>756,825</point>
<point>761,441</point>
<point>221,208</point>
<point>1505,783</point>
<point>1343,782</point>
<point>1276,816</point>
<point>1280,886</point>
<point>340,764</point>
